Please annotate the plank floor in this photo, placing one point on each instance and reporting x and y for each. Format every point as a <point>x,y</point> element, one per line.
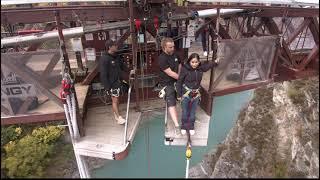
<point>103,136</point>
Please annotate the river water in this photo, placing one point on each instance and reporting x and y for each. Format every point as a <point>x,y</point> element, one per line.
<point>149,157</point>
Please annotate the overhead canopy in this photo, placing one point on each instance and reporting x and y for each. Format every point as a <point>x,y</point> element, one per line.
<point>15,2</point>
<point>284,2</point>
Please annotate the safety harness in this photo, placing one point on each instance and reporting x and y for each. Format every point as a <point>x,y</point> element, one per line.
<point>194,93</point>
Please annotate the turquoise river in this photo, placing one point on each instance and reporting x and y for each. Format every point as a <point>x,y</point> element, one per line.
<point>149,157</point>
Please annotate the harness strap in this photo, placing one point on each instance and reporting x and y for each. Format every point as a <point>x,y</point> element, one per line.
<point>187,93</point>
<point>162,92</point>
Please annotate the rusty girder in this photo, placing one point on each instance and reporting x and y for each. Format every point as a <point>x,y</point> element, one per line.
<point>108,13</point>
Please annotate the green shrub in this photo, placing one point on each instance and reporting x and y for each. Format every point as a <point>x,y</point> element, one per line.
<point>10,133</point>
<point>29,156</point>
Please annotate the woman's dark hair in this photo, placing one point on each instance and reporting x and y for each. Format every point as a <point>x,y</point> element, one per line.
<point>193,55</point>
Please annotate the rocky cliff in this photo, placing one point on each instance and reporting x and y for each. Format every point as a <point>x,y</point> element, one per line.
<point>276,135</point>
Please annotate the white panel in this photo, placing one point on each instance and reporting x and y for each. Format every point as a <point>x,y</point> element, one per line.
<point>76,44</point>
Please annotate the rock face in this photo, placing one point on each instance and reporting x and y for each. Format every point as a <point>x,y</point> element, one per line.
<point>277,135</point>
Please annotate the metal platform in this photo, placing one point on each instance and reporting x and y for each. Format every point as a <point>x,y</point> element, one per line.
<point>200,138</point>
<point>103,136</point>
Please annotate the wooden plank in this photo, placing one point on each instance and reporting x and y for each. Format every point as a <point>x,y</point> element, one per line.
<point>30,78</point>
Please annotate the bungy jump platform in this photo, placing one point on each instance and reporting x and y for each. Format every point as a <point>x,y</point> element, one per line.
<point>104,138</point>
<point>201,126</point>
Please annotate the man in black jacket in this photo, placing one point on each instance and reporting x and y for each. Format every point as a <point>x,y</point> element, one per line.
<point>111,68</point>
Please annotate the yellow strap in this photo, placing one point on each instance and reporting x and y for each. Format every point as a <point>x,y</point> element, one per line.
<point>186,94</point>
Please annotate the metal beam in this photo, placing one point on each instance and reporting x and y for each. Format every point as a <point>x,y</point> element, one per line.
<point>46,14</point>
<point>273,29</point>
<point>67,69</point>
<point>264,2</point>
<point>48,27</point>
<point>258,10</point>
<point>134,51</point>
<point>314,53</point>
<point>22,2</point>
<point>68,33</point>
<point>314,28</point>
<point>91,75</point>
<point>241,88</point>
<point>298,30</point>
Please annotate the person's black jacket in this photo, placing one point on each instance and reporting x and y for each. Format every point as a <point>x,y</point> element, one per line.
<point>192,77</point>
<point>111,68</point>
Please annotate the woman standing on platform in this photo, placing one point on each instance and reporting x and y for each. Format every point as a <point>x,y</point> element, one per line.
<point>188,90</point>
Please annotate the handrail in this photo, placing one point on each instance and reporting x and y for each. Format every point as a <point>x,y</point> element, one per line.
<point>127,116</point>
<point>128,105</point>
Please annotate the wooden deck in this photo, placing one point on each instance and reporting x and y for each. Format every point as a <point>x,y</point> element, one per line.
<point>103,136</point>
<point>200,138</point>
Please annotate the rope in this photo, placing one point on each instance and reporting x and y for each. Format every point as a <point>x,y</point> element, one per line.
<point>127,115</point>
<point>147,142</point>
<point>208,44</point>
<point>188,154</point>
<point>148,149</point>
<point>145,50</point>
<point>141,68</point>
